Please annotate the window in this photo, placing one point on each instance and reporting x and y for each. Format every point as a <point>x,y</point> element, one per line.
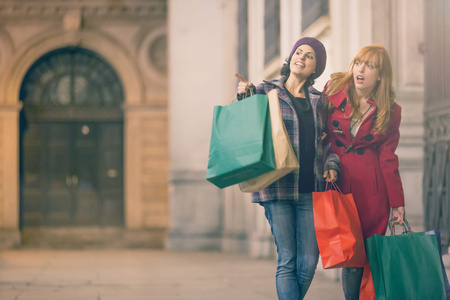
<point>313,10</point>
<point>72,82</point>
<point>272,30</point>
<point>243,38</point>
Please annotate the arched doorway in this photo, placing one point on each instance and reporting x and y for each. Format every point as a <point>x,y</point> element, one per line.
<point>71,142</point>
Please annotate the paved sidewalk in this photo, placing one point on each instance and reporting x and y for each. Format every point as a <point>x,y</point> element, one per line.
<point>143,275</point>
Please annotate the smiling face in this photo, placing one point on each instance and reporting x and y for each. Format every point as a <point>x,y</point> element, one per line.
<point>303,61</point>
<point>366,75</point>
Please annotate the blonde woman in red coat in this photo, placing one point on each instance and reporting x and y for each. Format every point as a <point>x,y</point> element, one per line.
<point>363,128</point>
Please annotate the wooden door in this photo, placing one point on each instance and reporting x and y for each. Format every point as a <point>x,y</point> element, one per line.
<point>71,142</point>
<point>73,174</point>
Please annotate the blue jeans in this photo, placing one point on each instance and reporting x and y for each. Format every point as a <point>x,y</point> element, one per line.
<point>351,282</point>
<point>292,225</point>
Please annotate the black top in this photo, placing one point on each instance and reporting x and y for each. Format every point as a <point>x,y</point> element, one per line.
<point>305,115</point>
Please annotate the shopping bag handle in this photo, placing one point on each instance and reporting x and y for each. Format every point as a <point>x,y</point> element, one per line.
<point>251,93</point>
<point>243,97</point>
<point>406,226</point>
<point>334,185</point>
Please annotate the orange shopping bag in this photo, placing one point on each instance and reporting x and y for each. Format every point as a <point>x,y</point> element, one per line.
<point>338,230</point>
<point>367,289</point>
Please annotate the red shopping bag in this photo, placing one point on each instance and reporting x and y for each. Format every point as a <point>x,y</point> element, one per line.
<point>367,289</point>
<point>338,230</point>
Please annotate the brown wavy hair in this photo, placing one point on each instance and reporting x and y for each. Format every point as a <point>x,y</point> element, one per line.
<point>383,93</point>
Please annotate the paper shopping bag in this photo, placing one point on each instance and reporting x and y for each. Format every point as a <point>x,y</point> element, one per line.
<point>285,159</point>
<point>405,266</point>
<point>338,230</point>
<point>367,290</point>
<point>241,145</point>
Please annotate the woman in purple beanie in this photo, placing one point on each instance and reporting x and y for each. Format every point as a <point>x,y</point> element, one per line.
<point>288,201</point>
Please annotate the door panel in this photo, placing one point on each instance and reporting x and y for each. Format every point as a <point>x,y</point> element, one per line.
<point>56,160</point>
<point>33,178</point>
<point>111,172</point>
<point>76,180</point>
<point>85,173</point>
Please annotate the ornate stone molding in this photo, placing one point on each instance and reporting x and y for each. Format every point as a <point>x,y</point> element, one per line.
<point>437,126</point>
<point>151,52</point>
<point>90,9</point>
<point>157,53</point>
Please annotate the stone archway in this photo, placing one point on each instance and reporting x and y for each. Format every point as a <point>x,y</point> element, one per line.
<point>71,142</point>
<point>10,107</point>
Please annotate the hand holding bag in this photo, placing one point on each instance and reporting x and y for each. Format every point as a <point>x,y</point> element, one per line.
<point>405,266</point>
<point>338,230</point>
<point>285,159</point>
<point>241,145</point>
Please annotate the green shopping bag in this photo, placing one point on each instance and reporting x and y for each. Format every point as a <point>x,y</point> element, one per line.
<point>241,145</point>
<point>405,266</point>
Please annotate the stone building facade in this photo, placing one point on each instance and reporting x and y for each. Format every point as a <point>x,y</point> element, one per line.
<point>127,38</point>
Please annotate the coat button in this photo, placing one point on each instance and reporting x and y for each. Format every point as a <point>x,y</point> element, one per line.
<point>368,138</point>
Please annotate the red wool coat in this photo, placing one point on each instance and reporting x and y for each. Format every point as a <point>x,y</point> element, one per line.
<point>369,165</point>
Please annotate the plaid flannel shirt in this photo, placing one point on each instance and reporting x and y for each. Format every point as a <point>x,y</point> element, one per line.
<point>286,188</point>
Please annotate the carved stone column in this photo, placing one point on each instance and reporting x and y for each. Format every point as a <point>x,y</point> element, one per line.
<point>9,176</point>
<point>436,179</point>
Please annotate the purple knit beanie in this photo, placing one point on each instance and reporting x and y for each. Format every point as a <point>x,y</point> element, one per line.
<point>319,49</point>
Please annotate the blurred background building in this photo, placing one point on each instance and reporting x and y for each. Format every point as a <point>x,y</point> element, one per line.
<point>84,123</point>
<point>106,111</point>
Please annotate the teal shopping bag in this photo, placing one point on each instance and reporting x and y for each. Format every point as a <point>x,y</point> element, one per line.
<point>241,145</point>
<point>405,266</point>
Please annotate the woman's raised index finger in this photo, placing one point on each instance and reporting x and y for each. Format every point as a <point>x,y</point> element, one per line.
<point>240,77</point>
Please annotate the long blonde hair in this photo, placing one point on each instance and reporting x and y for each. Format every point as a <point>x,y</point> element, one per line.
<point>383,93</point>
